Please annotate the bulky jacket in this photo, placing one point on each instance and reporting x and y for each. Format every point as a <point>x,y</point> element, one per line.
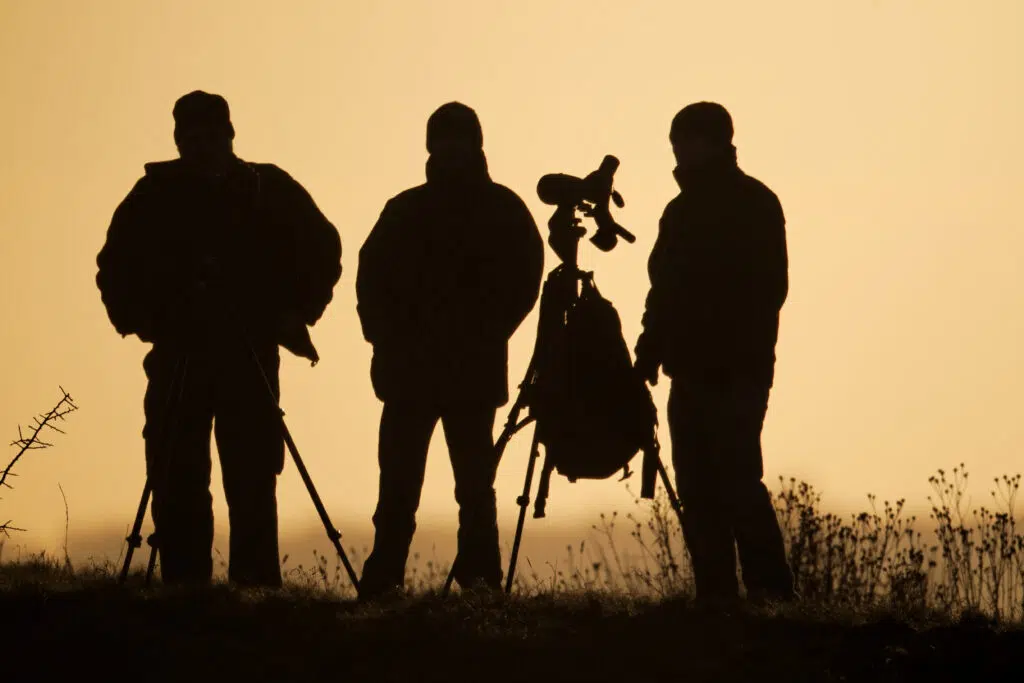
<point>718,273</point>
<point>256,239</point>
<point>447,274</point>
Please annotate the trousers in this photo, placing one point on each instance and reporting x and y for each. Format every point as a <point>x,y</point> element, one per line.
<point>189,394</point>
<point>405,432</point>
<point>715,428</point>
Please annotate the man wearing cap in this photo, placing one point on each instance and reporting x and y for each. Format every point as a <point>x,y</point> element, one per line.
<point>447,274</point>
<point>216,261</point>
<point>719,278</point>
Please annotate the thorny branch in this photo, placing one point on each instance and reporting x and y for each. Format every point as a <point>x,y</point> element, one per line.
<point>33,441</point>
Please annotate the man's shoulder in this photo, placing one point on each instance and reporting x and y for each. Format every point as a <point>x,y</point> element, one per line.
<point>673,208</point>
<point>155,176</point>
<point>157,169</point>
<point>156,173</point>
<point>493,190</point>
<point>755,189</point>
<point>267,169</point>
<point>406,205</point>
<point>270,174</point>
<point>505,193</point>
<point>410,198</point>
<point>277,185</point>
<point>497,196</point>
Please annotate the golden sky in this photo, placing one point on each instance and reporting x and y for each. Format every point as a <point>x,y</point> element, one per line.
<point>890,129</point>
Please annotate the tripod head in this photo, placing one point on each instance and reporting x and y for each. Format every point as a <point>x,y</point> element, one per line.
<point>591,195</point>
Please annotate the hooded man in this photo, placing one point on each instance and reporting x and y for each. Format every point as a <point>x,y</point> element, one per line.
<point>216,261</point>
<point>448,273</point>
<point>719,278</point>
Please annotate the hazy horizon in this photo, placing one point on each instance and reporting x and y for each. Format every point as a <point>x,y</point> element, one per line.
<point>890,131</point>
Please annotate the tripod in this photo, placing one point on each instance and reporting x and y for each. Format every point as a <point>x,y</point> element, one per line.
<point>176,390</point>
<point>171,404</point>
<point>560,292</point>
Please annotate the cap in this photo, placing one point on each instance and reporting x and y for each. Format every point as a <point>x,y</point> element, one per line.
<point>201,109</point>
<point>708,120</point>
<point>454,120</point>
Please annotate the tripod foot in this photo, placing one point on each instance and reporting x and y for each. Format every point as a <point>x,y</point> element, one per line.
<point>450,579</point>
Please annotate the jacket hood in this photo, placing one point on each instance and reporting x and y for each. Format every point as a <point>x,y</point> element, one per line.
<point>159,168</point>
<point>462,171</point>
<point>175,167</point>
<point>722,166</point>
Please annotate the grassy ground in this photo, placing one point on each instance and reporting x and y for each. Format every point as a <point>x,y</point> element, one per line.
<point>53,623</point>
<point>880,604</point>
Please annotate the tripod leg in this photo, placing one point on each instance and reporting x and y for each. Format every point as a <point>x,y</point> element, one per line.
<point>524,502</point>
<point>332,533</point>
<point>672,497</point>
<point>451,578</point>
<point>135,538</point>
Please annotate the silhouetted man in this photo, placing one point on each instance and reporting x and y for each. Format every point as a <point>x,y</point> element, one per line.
<point>719,278</point>
<point>216,261</point>
<point>448,273</point>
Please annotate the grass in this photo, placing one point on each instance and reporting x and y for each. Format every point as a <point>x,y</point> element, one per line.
<point>62,622</point>
<point>879,605</point>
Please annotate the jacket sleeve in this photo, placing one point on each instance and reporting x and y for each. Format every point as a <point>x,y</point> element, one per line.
<point>376,295</point>
<point>125,274</point>
<point>317,251</point>
<point>774,279</point>
<point>760,270</point>
<point>515,269</point>
<point>648,347</point>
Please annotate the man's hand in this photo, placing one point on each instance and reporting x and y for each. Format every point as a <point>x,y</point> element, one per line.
<point>647,363</point>
<point>647,371</point>
<point>293,334</point>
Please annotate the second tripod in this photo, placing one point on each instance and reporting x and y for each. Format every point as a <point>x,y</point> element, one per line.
<point>592,412</point>
<point>559,295</point>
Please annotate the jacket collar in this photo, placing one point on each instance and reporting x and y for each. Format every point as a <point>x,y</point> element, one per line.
<point>442,174</point>
<point>710,173</point>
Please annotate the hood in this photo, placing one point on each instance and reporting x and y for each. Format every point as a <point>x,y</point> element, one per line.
<point>721,167</point>
<point>241,176</point>
<point>163,168</point>
<point>177,167</point>
<point>465,171</point>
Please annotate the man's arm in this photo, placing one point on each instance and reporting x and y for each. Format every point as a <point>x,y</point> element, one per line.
<point>317,252</point>
<point>648,349</point>
<point>516,269</point>
<point>376,296</point>
<point>777,284</point>
<point>764,269</point>
<point>124,274</point>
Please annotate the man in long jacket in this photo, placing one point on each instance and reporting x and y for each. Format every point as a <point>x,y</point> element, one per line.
<point>448,273</point>
<point>216,261</point>
<point>719,278</point>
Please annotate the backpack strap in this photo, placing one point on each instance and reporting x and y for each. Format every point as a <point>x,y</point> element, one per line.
<point>649,473</point>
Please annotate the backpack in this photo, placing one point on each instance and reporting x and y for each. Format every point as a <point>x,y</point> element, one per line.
<point>593,412</point>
